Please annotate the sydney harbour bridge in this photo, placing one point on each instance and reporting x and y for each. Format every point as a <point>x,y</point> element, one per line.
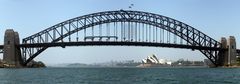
<point>118,28</point>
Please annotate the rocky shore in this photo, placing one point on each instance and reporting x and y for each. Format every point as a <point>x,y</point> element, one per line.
<point>32,64</point>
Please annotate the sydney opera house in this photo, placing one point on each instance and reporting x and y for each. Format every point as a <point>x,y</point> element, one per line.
<point>153,61</point>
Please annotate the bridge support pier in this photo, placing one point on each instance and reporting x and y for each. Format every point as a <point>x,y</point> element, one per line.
<point>12,53</point>
<point>223,55</point>
<point>228,57</point>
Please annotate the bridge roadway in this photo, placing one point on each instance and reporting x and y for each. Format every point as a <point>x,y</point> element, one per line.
<point>116,43</point>
<point>103,43</point>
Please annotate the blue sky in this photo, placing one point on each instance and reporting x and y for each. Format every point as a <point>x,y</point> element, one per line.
<point>216,18</point>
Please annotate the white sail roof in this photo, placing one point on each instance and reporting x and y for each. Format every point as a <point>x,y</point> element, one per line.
<point>151,59</point>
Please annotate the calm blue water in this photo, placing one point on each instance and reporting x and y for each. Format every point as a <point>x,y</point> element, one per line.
<point>120,76</point>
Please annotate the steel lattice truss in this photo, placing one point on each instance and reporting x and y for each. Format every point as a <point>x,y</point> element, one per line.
<point>122,27</point>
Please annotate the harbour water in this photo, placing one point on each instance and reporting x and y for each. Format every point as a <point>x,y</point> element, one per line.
<point>120,76</point>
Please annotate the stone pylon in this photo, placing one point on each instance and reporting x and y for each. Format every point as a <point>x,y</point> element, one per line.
<point>12,53</point>
<point>223,55</point>
<point>232,51</point>
<point>228,57</point>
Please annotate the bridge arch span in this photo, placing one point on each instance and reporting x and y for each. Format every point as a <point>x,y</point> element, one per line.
<point>58,32</point>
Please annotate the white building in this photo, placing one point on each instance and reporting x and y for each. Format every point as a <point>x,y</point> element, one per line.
<point>151,59</point>
<point>154,60</point>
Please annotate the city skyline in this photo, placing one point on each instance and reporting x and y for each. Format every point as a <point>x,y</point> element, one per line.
<point>213,18</point>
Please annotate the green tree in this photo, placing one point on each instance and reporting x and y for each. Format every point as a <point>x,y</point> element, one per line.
<point>238,60</point>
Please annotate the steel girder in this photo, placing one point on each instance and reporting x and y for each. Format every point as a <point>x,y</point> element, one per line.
<point>65,29</point>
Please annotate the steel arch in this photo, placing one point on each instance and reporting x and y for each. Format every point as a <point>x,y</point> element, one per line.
<point>59,31</point>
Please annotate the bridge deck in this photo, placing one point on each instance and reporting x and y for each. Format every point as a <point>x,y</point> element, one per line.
<point>101,43</point>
